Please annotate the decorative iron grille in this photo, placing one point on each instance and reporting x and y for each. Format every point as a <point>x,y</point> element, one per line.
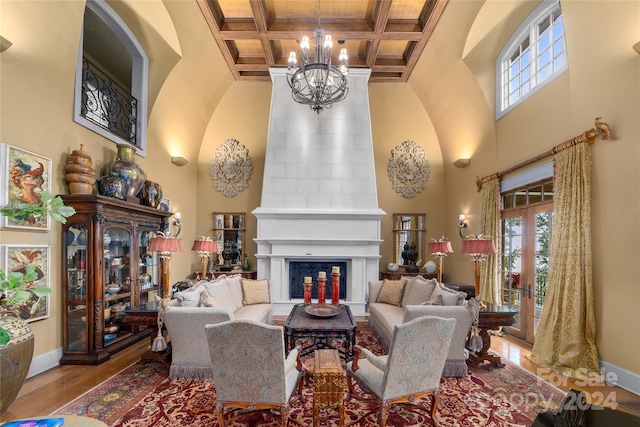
<point>106,103</point>
<point>298,270</point>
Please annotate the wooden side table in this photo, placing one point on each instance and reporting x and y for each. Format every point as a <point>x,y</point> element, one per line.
<point>149,318</point>
<point>328,383</point>
<point>491,317</point>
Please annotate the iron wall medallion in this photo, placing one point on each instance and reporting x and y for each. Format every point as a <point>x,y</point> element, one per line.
<point>408,169</point>
<point>230,168</point>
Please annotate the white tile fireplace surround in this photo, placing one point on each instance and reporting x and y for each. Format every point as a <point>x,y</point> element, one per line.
<point>319,197</point>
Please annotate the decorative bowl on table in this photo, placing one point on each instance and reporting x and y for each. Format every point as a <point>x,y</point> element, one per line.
<point>322,310</point>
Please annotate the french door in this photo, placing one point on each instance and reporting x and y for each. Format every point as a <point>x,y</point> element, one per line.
<point>526,248</point>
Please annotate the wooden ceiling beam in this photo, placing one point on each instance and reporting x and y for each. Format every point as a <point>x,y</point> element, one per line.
<point>383,21</point>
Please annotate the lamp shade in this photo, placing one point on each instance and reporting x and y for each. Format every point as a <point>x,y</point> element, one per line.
<point>440,246</point>
<point>477,246</point>
<point>165,244</point>
<point>205,245</point>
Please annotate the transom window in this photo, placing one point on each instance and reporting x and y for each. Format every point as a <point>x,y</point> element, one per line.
<point>535,54</point>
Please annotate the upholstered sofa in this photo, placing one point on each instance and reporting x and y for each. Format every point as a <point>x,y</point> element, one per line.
<point>392,302</point>
<point>226,298</point>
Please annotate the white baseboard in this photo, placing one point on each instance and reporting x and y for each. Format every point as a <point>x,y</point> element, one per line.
<point>44,362</point>
<point>620,377</point>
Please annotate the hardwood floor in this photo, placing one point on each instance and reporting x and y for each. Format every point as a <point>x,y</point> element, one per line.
<point>46,392</point>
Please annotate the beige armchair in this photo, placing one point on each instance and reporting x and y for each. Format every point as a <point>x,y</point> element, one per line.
<point>250,369</point>
<point>411,370</point>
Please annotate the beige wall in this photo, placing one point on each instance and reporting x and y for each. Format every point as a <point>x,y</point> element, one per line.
<point>447,108</point>
<point>603,80</point>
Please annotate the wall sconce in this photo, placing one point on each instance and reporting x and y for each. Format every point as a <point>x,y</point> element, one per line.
<point>636,47</point>
<point>176,223</point>
<point>179,161</point>
<point>463,224</point>
<point>462,163</point>
<point>4,44</point>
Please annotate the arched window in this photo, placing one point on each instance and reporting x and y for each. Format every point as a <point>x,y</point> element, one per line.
<point>111,78</point>
<point>533,57</point>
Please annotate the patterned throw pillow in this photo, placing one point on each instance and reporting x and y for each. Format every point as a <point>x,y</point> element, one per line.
<point>449,296</point>
<point>255,292</point>
<point>221,293</point>
<point>391,292</point>
<point>418,290</point>
<point>190,297</point>
<point>434,301</point>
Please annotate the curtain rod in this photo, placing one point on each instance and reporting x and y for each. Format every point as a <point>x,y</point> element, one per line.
<point>587,136</point>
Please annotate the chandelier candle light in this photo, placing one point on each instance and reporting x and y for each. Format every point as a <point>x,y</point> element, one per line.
<point>204,247</point>
<point>318,84</point>
<point>439,249</point>
<point>478,248</point>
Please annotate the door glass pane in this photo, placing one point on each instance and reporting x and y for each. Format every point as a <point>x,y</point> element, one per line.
<point>542,251</point>
<point>117,290</point>
<point>149,268</point>
<point>76,240</point>
<point>511,263</point>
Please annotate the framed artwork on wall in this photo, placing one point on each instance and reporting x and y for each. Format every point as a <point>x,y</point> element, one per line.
<point>15,258</point>
<point>165,205</point>
<point>24,175</point>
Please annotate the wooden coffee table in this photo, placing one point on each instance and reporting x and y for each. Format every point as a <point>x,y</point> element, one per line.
<point>321,332</point>
<point>491,317</point>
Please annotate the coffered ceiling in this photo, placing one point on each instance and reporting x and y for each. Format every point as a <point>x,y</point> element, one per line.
<point>386,36</point>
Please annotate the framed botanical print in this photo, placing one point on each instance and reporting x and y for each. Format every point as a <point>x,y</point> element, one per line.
<point>15,258</point>
<point>24,175</point>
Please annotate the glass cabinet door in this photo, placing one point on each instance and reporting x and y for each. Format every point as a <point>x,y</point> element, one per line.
<point>76,303</point>
<point>148,270</point>
<point>117,282</point>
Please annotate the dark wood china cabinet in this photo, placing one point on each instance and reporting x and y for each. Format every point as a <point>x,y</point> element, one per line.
<point>106,268</point>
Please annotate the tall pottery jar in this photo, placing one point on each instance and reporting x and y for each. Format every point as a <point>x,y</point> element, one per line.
<point>125,167</point>
<point>15,357</point>
<point>80,176</point>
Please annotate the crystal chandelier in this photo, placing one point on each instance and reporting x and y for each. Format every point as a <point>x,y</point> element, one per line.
<point>318,84</point>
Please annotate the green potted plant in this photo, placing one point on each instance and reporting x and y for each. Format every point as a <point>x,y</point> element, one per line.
<point>16,337</point>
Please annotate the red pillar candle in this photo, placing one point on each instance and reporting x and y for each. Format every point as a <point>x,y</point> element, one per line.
<point>335,285</point>
<point>322,287</point>
<point>307,290</point>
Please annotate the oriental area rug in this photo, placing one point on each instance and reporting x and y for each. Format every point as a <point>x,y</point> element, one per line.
<point>143,396</point>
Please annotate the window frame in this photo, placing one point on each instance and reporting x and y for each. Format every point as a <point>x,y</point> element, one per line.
<point>139,76</point>
<point>528,29</point>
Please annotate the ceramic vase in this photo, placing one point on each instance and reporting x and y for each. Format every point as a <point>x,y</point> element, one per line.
<point>113,186</point>
<point>151,194</point>
<point>80,175</point>
<point>15,357</point>
<point>125,167</point>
